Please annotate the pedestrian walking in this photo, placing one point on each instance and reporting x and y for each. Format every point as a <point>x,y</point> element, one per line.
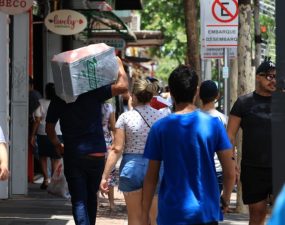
<point>4,169</point>
<point>209,94</point>
<point>46,150</point>
<point>252,113</point>
<point>186,142</point>
<point>108,121</point>
<point>33,157</point>
<point>84,146</point>
<point>132,128</point>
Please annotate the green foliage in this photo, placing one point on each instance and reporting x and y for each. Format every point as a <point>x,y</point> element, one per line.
<point>269,35</point>
<point>166,66</point>
<point>168,17</point>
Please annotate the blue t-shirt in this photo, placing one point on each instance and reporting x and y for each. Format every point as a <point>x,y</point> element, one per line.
<point>186,144</point>
<point>81,121</point>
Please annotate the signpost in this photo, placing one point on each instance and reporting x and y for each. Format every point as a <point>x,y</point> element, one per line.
<point>219,35</point>
<point>219,23</point>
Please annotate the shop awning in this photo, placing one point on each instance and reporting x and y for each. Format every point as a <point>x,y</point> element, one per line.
<point>143,38</point>
<point>111,22</point>
<point>147,38</point>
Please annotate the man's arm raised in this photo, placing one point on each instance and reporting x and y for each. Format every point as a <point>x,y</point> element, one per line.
<point>121,86</point>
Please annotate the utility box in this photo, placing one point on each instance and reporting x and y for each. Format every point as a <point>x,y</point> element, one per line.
<point>83,69</point>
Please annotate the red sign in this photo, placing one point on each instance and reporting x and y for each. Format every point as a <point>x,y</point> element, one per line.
<point>226,14</point>
<point>13,7</point>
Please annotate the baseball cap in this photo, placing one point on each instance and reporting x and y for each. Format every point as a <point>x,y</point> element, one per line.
<point>265,66</point>
<point>208,89</point>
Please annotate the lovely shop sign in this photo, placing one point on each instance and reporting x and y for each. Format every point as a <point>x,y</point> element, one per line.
<point>14,7</point>
<point>65,22</point>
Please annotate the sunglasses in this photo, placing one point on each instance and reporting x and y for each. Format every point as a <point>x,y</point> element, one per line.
<point>268,76</point>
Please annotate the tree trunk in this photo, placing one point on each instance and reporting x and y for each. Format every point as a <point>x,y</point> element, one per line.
<point>246,78</point>
<point>191,23</point>
<point>233,81</point>
<point>257,33</point>
<point>245,75</point>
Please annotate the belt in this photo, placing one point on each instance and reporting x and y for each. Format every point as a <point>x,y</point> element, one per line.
<point>97,154</point>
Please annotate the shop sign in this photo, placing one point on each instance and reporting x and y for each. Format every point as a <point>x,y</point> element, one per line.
<point>117,43</point>
<point>14,7</point>
<point>65,22</point>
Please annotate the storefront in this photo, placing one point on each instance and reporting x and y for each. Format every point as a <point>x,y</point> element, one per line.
<point>26,49</point>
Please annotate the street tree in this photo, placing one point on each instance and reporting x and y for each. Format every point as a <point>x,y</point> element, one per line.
<point>245,75</point>
<point>192,33</point>
<point>178,22</point>
<point>257,33</point>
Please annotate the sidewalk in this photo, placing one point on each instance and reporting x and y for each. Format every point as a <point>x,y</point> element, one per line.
<point>41,208</point>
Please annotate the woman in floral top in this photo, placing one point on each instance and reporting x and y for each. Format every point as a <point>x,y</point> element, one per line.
<point>131,132</point>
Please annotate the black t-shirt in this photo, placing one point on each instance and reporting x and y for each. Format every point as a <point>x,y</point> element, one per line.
<point>81,121</point>
<point>255,113</point>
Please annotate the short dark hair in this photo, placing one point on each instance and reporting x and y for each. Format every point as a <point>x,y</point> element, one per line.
<point>208,91</point>
<point>50,91</point>
<point>183,82</point>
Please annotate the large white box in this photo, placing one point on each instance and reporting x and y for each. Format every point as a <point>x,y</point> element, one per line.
<point>83,69</point>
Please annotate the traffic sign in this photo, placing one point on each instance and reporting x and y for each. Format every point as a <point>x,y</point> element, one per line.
<point>222,11</point>
<point>217,53</point>
<point>219,23</point>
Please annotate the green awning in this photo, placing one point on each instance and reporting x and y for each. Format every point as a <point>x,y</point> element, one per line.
<point>110,20</point>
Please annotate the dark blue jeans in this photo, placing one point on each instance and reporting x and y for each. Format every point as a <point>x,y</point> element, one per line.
<point>83,175</point>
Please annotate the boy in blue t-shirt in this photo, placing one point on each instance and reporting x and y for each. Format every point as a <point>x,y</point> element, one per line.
<point>186,142</point>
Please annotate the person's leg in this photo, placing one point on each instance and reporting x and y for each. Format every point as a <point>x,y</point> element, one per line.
<point>257,213</point>
<point>54,164</point>
<point>111,184</point>
<point>94,167</point>
<point>111,197</point>
<point>153,211</point>
<point>43,162</point>
<point>256,187</point>
<point>220,180</point>
<point>134,207</point>
<point>76,180</point>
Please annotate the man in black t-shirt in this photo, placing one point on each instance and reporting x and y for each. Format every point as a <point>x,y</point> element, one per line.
<point>84,145</point>
<point>252,113</point>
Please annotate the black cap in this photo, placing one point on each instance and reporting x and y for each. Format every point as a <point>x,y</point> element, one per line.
<point>208,89</point>
<point>265,66</point>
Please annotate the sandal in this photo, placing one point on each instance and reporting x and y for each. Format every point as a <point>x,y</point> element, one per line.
<point>44,185</point>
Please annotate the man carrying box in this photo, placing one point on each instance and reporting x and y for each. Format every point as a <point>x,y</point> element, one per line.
<point>84,144</point>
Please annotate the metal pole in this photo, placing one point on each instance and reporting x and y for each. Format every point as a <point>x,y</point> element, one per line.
<point>226,76</point>
<point>203,70</point>
<point>278,104</point>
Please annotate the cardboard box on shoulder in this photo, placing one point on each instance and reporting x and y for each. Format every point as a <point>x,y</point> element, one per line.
<point>83,69</point>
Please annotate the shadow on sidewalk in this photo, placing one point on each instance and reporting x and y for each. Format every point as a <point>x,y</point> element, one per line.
<point>37,208</point>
